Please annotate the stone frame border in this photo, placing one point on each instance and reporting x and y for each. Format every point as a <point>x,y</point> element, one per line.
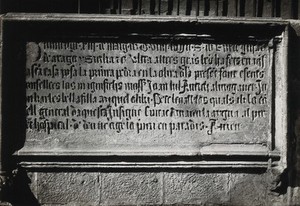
<point>276,156</point>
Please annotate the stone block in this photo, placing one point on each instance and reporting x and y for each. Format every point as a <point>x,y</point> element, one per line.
<point>131,189</point>
<point>253,189</point>
<point>195,188</point>
<point>71,188</point>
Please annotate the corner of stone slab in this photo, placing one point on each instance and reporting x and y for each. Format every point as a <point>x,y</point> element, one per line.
<point>277,180</point>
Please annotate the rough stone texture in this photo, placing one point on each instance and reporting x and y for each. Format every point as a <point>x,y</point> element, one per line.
<point>295,199</point>
<point>131,188</point>
<point>194,188</point>
<point>61,188</point>
<point>251,189</point>
<point>33,182</point>
<point>159,188</point>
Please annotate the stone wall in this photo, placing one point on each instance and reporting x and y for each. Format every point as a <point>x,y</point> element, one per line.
<point>55,180</point>
<point>148,188</point>
<point>167,186</point>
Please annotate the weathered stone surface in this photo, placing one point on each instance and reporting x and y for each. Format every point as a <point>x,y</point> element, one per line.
<point>105,96</point>
<point>194,188</point>
<point>72,188</point>
<point>235,189</point>
<point>131,188</point>
<point>253,190</point>
<point>33,183</point>
<point>295,199</point>
<point>134,188</point>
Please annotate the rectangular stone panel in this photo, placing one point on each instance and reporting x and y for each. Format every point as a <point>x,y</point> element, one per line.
<point>163,93</point>
<point>148,96</point>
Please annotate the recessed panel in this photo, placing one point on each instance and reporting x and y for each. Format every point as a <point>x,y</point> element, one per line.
<point>167,93</point>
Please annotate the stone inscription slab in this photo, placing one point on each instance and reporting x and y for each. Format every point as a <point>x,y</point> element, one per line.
<point>118,96</point>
